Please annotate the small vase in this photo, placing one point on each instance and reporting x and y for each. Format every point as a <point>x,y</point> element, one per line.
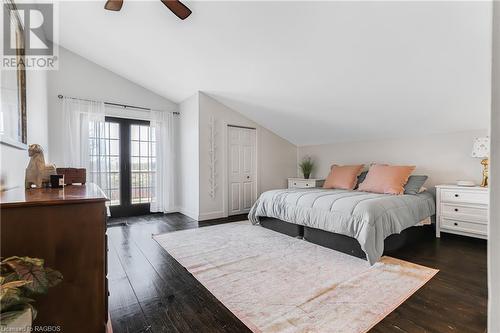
<point>306,175</point>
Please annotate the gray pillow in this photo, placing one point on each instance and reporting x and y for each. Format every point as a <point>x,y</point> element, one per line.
<point>361,178</point>
<point>414,184</point>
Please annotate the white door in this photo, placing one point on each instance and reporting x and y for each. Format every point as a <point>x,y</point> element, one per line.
<point>242,169</point>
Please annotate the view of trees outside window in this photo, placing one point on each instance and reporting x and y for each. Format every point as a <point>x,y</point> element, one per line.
<point>104,161</point>
<point>143,162</point>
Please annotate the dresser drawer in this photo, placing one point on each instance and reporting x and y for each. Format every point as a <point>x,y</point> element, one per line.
<point>457,211</point>
<point>464,196</point>
<point>463,226</point>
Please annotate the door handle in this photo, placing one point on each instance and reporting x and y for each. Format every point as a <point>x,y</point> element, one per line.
<point>248,177</point>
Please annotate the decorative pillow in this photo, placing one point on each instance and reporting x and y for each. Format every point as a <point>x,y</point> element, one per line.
<point>361,178</point>
<point>387,179</point>
<point>343,177</point>
<point>414,184</point>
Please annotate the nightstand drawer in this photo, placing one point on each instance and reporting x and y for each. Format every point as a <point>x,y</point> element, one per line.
<point>460,212</point>
<point>464,196</point>
<point>463,226</point>
<point>304,183</point>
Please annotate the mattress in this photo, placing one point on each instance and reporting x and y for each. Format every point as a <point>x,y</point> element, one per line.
<point>367,217</point>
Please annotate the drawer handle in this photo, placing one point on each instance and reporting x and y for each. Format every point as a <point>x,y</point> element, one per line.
<point>456,195</point>
<point>455,223</point>
<point>456,209</point>
<point>307,184</point>
<point>294,183</point>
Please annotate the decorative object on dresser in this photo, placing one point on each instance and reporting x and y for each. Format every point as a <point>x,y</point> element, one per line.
<point>56,181</point>
<point>304,183</point>
<point>307,166</point>
<point>38,173</point>
<point>481,149</point>
<point>462,210</point>
<point>67,228</point>
<point>73,175</point>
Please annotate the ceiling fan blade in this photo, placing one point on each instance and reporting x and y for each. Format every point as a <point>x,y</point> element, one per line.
<point>178,8</point>
<point>114,5</point>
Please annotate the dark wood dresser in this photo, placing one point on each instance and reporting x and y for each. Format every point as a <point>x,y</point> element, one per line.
<point>67,228</point>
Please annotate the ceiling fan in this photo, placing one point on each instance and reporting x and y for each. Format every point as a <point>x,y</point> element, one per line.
<point>177,7</point>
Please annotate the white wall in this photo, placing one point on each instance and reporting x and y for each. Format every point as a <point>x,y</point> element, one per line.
<point>13,160</point>
<point>81,78</point>
<point>276,157</point>
<point>494,226</point>
<point>445,158</point>
<point>188,157</point>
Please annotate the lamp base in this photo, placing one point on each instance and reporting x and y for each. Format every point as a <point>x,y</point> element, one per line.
<point>484,163</point>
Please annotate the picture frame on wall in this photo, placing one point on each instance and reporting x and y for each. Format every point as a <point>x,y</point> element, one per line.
<point>13,115</point>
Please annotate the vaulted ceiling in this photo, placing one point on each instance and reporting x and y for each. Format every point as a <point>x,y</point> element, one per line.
<point>313,72</point>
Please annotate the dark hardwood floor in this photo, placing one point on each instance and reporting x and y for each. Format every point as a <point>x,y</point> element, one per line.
<point>151,292</point>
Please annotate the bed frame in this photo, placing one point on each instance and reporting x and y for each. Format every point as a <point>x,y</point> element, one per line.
<point>340,242</point>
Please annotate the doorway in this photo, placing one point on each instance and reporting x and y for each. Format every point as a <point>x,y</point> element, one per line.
<point>242,169</point>
<point>123,162</point>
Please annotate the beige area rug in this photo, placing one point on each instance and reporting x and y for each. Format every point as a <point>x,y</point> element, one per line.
<point>276,283</point>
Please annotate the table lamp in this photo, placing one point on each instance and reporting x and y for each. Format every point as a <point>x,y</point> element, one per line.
<point>481,149</point>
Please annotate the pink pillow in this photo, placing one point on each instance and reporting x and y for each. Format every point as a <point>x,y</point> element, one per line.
<point>387,179</point>
<point>343,177</point>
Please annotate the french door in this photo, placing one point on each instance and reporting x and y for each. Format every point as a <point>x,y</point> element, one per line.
<point>126,167</point>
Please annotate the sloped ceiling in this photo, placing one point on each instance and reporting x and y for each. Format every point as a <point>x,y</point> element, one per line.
<point>313,72</point>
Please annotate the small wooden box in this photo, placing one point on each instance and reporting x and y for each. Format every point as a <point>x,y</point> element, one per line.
<point>73,175</point>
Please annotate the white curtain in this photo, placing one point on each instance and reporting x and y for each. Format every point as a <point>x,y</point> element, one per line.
<point>163,183</point>
<point>81,119</point>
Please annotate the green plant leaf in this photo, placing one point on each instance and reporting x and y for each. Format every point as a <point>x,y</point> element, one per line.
<point>11,299</point>
<point>34,261</point>
<point>31,271</point>
<point>53,277</point>
<point>7,317</point>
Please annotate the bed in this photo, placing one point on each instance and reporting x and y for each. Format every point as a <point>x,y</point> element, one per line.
<point>368,218</point>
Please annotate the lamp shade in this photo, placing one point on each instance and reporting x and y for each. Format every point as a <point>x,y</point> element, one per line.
<point>481,147</point>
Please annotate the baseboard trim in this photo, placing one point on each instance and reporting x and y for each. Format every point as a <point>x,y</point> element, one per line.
<point>188,213</point>
<point>211,216</point>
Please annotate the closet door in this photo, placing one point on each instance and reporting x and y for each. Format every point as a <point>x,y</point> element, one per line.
<point>242,169</point>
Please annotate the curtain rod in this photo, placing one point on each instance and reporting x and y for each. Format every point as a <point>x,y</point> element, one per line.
<point>125,106</point>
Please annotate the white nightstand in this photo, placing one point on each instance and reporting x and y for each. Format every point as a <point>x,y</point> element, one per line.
<point>304,183</point>
<point>462,210</point>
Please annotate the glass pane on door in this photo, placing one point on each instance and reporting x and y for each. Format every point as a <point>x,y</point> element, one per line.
<point>104,151</point>
<point>142,162</point>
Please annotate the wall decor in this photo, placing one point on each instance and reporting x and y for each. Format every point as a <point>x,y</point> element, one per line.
<point>212,157</point>
<point>13,91</point>
<point>38,173</point>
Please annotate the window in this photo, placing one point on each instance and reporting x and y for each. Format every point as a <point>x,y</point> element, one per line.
<point>143,162</point>
<point>104,151</point>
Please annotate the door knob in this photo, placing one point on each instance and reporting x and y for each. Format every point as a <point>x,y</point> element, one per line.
<point>248,177</point>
